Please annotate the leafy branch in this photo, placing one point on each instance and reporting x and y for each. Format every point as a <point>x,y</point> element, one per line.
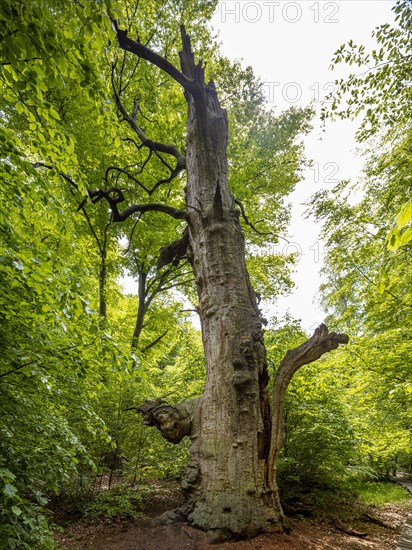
<point>33,362</point>
<point>250,224</point>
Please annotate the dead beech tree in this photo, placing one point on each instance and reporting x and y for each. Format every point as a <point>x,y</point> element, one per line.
<point>230,483</point>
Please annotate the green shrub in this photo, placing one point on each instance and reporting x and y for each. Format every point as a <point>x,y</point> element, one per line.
<point>23,524</point>
<point>119,503</point>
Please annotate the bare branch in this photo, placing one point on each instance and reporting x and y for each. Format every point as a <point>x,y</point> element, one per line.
<point>154,342</point>
<point>342,527</point>
<point>189,311</point>
<point>153,146</point>
<point>143,52</point>
<point>180,283</point>
<point>61,174</point>
<point>114,196</point>
<point>82,205</point>
<point>131,234</point>
<point>156,146</point>
<point>92,230</point>
<point>127,173</point>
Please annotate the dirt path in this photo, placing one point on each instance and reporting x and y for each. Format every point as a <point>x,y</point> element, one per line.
<point>307,533</point>
<point>405,482</point>
<point>140,535</point>
<point>405,540</point>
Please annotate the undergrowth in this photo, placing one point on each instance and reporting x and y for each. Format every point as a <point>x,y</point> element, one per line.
<point>380,493</point>
<point>346,499</point>
<point>119,503</point>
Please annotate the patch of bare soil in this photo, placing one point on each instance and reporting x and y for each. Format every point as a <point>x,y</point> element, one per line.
<point>307,533</point>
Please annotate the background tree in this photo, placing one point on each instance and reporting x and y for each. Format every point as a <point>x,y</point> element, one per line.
<point>382,94</point>
<point>367,287</point>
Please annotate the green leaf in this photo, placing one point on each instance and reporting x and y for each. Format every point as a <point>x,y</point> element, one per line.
<point>10,490</point>
<point>406,236</point>
<point>6,475</point>
<point>404,216</point>
<point>394,240</point>
<point>16,511</point>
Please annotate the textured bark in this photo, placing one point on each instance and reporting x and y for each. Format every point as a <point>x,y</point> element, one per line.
<point>187,419</point>
<point>227,479</point>
<point>173,421</point>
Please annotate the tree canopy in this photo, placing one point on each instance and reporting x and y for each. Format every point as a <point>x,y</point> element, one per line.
<point>367,232</point>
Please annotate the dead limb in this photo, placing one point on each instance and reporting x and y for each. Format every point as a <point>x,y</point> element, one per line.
<point>114,196</point>
<point>155,147</point>
<point>320,343</point>
<point>339,525</point>
<point>134,46</point>
<point>174,252</point>
<point>376,521</point>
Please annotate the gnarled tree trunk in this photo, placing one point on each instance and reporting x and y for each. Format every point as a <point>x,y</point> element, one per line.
<point>229,483</point>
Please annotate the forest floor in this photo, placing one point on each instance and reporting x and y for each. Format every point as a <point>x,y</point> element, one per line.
<point>318,531</point>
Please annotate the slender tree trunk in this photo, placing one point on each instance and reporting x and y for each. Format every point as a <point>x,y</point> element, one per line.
<point>227,480</point>
<point>102,286</point>
<point>141,309</point>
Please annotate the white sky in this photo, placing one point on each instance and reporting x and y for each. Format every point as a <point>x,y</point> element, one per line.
<point>290,46</point>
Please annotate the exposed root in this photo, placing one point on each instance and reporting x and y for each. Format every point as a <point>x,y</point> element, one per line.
<point>169,517</point>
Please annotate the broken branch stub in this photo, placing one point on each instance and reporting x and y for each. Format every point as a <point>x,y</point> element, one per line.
<point>174,252</point>
<point>173,421</point>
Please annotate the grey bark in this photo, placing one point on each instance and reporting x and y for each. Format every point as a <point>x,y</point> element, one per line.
<point>173,421</point>
<point>177,421</point>
<point>227,480</point>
